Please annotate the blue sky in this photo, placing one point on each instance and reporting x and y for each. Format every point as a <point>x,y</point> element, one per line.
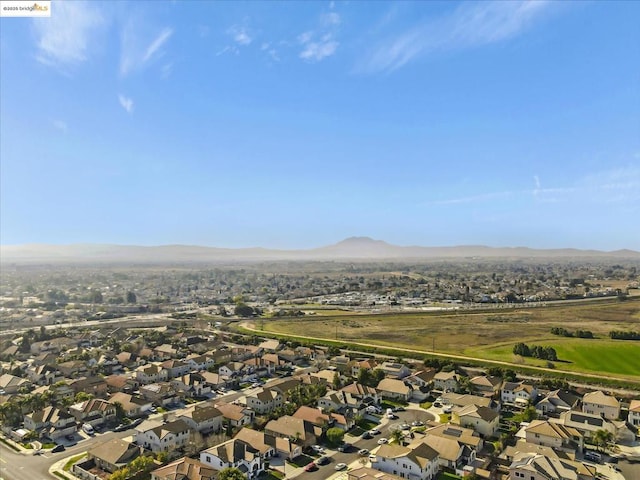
<point>294,125</point>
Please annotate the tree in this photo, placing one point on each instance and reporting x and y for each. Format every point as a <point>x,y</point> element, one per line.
<point>335,435</point>
<point>337,383</point>
<point>141,464</point>
<point>231,473</point>
<point>82,396</point>
<point>602,438</point>
<point>120,474</point>
<point>243,310</point>
<point>397,436</point>
<point>120,413</point>
<point>131,297</point>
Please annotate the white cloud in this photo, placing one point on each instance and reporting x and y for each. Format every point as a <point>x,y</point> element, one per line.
<point>65,39</point>
<point>138,53</point>
<point>166,70</point>
<point>126,103</point>
<point>60,125</point>
<point>240,35</point>
<point>155,46</point>
<point>320,43</point>
<point>316,51</point>
<point>472,24</point>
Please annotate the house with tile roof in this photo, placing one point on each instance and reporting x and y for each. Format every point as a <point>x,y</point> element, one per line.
<point>531,466</point>
<point>235,453</point>
<point>417,461</point>
<point>599,403</point>
<point>185,468</point>
<point>158,436</point>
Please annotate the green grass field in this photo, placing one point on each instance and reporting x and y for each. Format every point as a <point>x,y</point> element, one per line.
<point>491,335</point>
<point>617,357</point>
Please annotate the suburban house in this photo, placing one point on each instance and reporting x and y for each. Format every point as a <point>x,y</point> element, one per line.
<point>446,381</point>
<point>366,364</point>
<point>94,412</point>
<point>93,385</point>
<point>518,393</point>
<point>269,445</point>
<point>366,473</point>
<point>415,461</point>
<point>162,437</point>
<point>341,363</point>
<point>589,423</point>
<point>395,370</point>
<point>466,436</point>
<point>366,395</point>
<point>557,401</point>
<point>236,415</point>
<point>152,373</point>
<point>120,383</point>
<point>423,378</point>
<point>295,429</point>
<point>393,389</point>
<point>50,422</point>
<point>133,405</point>
<point>235,453</point>
<point>162,393</point>
<point>531,466</point>
<point>599,403</point>
<point>554,435</point>
<point>191,385</point>
<point>200,362</point>
<point>452,453</point>
<point>114,454</point>
<point>44,374</point>
<point>185,468</point>
<point>203,418</point>
<point>481,419</point>
<point>634,413</point>
<point>323,420</point>
<point>175,368</point>
<point>486,385</point>
<point>265,400</point>
<point>464,400</point>
<point>12,384</point>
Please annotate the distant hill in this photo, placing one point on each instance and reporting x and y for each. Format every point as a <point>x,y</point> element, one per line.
<point>356,248</point>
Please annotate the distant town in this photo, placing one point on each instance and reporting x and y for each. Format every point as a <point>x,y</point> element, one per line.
<point>117,372</point>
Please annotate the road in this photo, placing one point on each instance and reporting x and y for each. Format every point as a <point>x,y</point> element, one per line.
<point>27,466</point>
<point>335,457</point>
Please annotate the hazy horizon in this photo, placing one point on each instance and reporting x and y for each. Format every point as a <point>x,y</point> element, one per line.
<point>295,125</point>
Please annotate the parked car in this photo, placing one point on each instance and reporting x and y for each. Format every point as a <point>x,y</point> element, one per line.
<point>317,448</point>
<point>70,437</point>
<point>322,460</point>
<point>363,452</point>
<point>311,467</point>
<point>345,447</point>
<point>417,423</point>
<point>341,466</point>
<point>58,448</point>
<point>88,429</point>
<point>399,409</point>
<point>367,435</point>
<point>374,431</point>
<point>382,441</point>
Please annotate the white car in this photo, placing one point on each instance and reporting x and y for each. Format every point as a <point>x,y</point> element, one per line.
<point>382,441</point>
<point>341,466</point>
<point>317,448</point>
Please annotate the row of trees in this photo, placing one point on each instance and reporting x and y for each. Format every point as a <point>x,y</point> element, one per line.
<point>535,351</point>
<point>562,332</point>
<point>622,335</point>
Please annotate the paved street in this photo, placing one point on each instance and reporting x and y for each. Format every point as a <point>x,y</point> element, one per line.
<point>27,466</point>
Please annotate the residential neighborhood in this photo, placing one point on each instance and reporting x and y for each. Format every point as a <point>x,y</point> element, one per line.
<point>278,410</point>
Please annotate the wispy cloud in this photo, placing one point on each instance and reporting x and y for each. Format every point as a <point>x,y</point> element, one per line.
<point>126,103</point>
<point>60,125</point>
<point>472,24</point>
<point>321,43</point>
<point>166,70</point>
<point>136,52</point>
<point>65,39</point>
<point>612,186</point>
<point>155,46</point>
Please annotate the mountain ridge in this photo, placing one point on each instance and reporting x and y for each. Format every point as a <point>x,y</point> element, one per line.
<point>357,248</point>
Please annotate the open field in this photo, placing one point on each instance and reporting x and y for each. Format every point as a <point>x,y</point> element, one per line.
<point>492,334</point>
<point>579,355</point>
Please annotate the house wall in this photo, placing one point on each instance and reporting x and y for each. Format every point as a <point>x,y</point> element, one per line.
<point>608,412</point>
<point>406,468</point>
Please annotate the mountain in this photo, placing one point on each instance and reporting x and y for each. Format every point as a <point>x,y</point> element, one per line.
<point>355,248</point>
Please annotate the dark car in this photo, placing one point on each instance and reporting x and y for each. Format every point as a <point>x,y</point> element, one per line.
<point>322,460</point>
<point>367,435</point>
<point>58,448</point>
<point>70,437</point>
<point>345,447</point>
<point>398,409</point>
